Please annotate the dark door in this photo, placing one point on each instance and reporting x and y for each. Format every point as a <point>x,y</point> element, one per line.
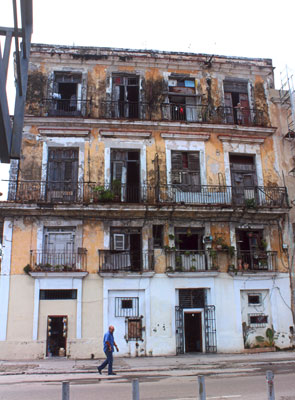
<point>193,331</point>
<point>62,174</point>
<point>56,335</point>
<point>244,179</point>
<point>133,177</point>
<point>135,251</point>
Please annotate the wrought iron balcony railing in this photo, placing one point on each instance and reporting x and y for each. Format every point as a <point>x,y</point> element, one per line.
<point>242,196</point>
<point>220,115</point>
<point>127,260</point>
<point>257,260</point>
<point>51,261</point>
<point>189,261</point>
<point>123,110</point>
<point>251,197</point>
<point>66,107</point>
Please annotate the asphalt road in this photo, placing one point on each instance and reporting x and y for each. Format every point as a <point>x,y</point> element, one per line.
<point>239,385</point>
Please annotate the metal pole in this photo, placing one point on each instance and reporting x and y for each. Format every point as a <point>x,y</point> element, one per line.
<point>202,389</point>
<point>66,390</point>
<point>135,389</point>
<point>270,385</point>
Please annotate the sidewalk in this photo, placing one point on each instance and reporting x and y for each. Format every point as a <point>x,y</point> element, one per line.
<point>208,362</point>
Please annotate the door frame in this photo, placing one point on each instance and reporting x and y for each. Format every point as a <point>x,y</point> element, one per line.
<point>194,311</point>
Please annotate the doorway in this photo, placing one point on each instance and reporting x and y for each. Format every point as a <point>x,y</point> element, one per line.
<point>56,335</point>
<point>193,332</point>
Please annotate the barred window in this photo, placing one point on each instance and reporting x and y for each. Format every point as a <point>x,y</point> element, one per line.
<point>126,306</point>
<point>258,320</point>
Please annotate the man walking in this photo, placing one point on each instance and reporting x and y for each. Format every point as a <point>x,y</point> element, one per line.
<point>108,348</point>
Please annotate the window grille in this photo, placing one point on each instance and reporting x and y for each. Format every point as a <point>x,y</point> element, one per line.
<point>55,294</point>
<point>192,298</point>
<point>254,299</point>
<point>257,320</point>
<point>126,307</point>
<point>133,327</point>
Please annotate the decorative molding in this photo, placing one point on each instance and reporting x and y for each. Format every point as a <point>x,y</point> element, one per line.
<point>64,132</point>
<point>239,139</point>
<point>126,134</point>
<point>183,136</point>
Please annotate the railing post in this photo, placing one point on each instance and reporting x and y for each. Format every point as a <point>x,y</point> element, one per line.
<point>135,389</point>
<point>65,390</point>
<point>202,389</point>
<point>270,385</point>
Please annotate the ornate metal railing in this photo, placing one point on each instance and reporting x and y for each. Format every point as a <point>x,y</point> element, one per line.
<point>188,261</point>
<point>123,109</point>
<point>214,115</point>
<point>66,107</point>
<point>127,260</point>
<point>251,197</point>
<point>51,261</point>
<point>257,260</point>
<point>242,196</point>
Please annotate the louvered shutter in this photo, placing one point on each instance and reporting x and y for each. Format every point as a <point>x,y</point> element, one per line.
<point>245,109</point>
<point>119,241</point>
<point>228,108</point>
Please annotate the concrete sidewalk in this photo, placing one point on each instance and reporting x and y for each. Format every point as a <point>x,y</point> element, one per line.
<point>58,365</point>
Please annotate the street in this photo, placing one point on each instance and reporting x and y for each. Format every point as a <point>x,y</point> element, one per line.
<point>153,387</point>
<point>236,376</point>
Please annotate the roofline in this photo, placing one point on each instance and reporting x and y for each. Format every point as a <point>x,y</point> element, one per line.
<point>146,51</point>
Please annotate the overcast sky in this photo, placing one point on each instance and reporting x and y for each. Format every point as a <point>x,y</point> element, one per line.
<point>253,28</point>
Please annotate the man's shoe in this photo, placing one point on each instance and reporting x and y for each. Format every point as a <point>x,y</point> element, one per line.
<point>99,370</point>
<point>113,373</point>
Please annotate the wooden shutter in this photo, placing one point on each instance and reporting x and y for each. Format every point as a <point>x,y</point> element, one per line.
<point>119,241</point>
<point>228,108</point>
<point>193,162</point>
<point>244,101</point>
<point>176,160</point>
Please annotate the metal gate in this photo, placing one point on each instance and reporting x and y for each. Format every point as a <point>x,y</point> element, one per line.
<point>179,330</point>
<point>210,329</point>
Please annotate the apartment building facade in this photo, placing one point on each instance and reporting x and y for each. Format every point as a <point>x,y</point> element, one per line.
<point>149,196</point>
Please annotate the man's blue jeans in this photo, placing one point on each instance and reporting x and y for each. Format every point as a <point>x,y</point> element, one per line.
<point>108,361</point>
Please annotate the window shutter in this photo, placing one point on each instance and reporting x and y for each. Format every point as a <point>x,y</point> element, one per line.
<point>193,162</point>
<point>119,241</point>
<point>117,170</point>
<point>176,160</point>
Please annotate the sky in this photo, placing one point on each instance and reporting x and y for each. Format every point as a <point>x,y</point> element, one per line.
<point>253,28</point>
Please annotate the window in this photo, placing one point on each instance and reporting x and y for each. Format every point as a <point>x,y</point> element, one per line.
<point>186,170</point>
<point>67,93</point>
<point>236,102</point>
<point>158,236</point>
<point>192,298</point>
<point>183,100</point>
<point>62,174</point>
<point>126,306</point>
<point>56,294</point>
<point>125,174</point>
<point>133,329</point>
<point>125,96</point>
<point>58,248</point>
<point>258,320</point>
<point>254,299</point>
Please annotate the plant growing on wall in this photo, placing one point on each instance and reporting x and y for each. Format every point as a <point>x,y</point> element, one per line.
<point>27,269</point>
<point>269,339</point>
<point>104,194</point>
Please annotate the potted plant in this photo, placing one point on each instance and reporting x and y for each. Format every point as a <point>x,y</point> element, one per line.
<point>27,269</point>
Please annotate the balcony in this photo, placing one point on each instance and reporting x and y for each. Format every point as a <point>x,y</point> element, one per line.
<point>189,261</point>
<point>249,197</point>
<point>66,108</point>
<point>256,261</point>
<point>212,115</point>
<point>50,261</point>
<point>201,113</point>
<point>125,261</point>
<point>123,110</point>
<point>244,196</point>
